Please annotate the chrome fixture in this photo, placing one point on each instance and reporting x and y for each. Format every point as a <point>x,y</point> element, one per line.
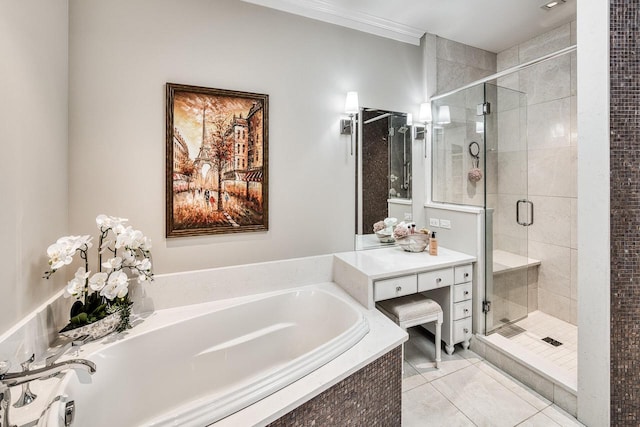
<point>27,395</point>
<point>69,413</point>
<point>351,107</point>
<point>8,380</point>
<point>55,353</point>
<point>529,204</point>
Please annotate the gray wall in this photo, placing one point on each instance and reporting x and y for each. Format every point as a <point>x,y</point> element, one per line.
<point>106,63</point>
<point>123,52</point>
<point>33,125</point>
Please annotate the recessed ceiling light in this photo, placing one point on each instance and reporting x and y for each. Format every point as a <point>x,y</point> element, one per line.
<point>550,5</point>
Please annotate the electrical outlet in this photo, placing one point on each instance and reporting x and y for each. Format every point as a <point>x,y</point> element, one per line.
<point>445,223</point>
<point>408,216</point>
<point>434,222</point>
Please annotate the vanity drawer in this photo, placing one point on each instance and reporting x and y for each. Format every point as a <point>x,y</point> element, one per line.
<point>462,330</point>
<point>435,279</point>
<point>462,309</point>
<point>464,273</point>
<point>396,287</point>
<point>462,292</point>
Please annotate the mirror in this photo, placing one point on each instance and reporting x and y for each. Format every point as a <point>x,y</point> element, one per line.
<point>383,172</point>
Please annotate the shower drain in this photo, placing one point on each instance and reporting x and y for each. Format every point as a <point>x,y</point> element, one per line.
<point>551,341</point>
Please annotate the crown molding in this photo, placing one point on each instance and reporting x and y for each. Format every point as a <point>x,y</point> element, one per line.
<point>328,12</point>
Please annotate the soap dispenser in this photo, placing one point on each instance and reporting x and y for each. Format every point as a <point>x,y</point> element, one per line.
<point>433,244</point>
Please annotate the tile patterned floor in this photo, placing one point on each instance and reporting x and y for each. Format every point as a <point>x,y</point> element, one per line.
<point>539,325</point>
<point>467,391</point>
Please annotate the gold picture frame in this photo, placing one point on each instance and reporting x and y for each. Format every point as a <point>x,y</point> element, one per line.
<point>217,145</point>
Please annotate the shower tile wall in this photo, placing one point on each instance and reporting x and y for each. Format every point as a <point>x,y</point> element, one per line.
<point>457,65</point>
<point>552,170</point>
<point>460,64</point>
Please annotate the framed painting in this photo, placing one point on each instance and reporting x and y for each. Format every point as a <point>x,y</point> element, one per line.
<point>217,145</point>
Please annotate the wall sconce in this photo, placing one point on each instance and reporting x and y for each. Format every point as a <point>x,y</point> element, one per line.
<point>424,117</point>
<point>444,115</point>
<point>425,112</point>
<point>351,107</point>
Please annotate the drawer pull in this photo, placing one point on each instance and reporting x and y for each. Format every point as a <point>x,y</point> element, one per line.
<point>466,310</point>
<point>398,288</point>
<point>466,330</point>
<point>466,275</point>
<point>438,280</point>
<point>466,292</point>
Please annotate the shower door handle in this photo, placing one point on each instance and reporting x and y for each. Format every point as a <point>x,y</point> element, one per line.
<point>530,212</point>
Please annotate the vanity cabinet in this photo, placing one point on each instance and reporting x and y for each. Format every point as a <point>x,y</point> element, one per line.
<point>450,287</point>
<point>385,273</point>
<point>456,302</point>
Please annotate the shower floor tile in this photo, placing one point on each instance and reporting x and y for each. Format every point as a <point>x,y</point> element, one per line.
<point>539,325</point>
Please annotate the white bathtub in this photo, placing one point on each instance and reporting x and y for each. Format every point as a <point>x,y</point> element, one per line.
<point>195,365</point>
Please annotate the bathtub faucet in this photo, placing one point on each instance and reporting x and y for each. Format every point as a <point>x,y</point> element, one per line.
<point>8,380</point>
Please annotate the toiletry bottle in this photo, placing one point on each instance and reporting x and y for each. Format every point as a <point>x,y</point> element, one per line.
<point>433,244</point>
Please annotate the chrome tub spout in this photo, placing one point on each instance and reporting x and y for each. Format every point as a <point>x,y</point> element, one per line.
<point>8,380</point>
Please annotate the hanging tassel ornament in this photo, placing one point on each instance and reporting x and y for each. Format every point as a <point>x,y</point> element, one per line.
<point>475,174</point>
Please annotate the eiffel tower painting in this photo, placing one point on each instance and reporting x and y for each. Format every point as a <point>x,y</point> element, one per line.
<point>217,161</point>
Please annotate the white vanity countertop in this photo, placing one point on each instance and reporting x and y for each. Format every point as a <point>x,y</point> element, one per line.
<point>393,261</point>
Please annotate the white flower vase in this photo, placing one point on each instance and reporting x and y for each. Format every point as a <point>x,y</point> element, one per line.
<point>95,330</point>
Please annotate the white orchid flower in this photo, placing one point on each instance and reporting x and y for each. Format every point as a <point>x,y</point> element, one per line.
<point>73,243</point>
<point>97,281</point>
<point>106,222</point>
<point>124,238</point>
<point>128,258</point>
<point>75,286</point>
<point>144,265</point>
<point>59,256</point>
<point>82,274</point>
<point>145,243</point>
<point>113,263</point>
<point>117,286</point>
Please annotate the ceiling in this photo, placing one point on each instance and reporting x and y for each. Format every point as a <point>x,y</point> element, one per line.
<point>492,25</point>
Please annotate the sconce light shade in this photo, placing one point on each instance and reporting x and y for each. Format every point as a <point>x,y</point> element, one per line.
<point>409,119</point>
<point>351,105</point>
<point>425,112</point>
<point>444,115</point>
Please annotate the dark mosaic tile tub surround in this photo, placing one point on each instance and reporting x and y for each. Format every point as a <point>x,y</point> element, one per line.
<point>371,397</point>
<point>625,211</point>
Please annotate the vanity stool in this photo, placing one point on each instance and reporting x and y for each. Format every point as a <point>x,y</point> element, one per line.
<point>412,310</point>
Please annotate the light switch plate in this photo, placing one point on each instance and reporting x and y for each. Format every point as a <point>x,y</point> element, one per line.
<point>445,223</point>
<point>434,222</point>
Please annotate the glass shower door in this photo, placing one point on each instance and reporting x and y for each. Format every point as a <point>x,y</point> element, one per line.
<point>457,134</point>
<point>484,129</point>
<point>508,210</point>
